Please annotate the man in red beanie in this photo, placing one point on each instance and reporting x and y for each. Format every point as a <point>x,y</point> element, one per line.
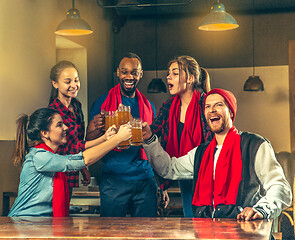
<point>236,175</point>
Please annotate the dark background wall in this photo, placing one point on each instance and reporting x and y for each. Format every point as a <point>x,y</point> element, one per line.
<point>158,38</point>
<point>179,34</point>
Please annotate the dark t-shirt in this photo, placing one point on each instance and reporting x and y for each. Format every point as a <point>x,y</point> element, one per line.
<point>127,164</point>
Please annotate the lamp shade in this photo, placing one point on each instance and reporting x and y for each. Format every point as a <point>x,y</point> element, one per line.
<point>156,86</point>
<point>73,25</point>
<point>218,20</point>
<point>254,83</point>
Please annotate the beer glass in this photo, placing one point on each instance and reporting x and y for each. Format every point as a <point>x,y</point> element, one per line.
<point>124,113</point>
<point>110,119</point>
<point>136,130</point>
<point>107,120</point>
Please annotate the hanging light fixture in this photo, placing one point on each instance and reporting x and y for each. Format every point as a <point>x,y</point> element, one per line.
<point>253,83</point>
<point>73,25</point>
<point>218,19</point>
<point>156,85</point>
<point>136,4</point>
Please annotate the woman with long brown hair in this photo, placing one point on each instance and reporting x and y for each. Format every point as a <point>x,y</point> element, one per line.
<point>65,87</point>
<point>181,123</point>
<point>43,188</point>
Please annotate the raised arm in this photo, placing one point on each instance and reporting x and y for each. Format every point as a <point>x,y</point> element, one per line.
<point>95,127</point>
<point>167,167</point>
<point>93,154</point>
<point>45,161</point>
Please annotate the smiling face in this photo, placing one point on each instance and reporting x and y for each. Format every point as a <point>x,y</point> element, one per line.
<point>218,114</point>
<point>56,134</point>
<point>129,73</point>
<point>67,84</point>
<point>177,81</point>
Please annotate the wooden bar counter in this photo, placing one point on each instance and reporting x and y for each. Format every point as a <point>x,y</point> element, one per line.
<point>132,228</point>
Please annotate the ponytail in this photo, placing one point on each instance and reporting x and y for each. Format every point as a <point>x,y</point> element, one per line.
<point>191,67</point>
<point>21,143</point>
<point>28,132</point>
<point>53,94</point>
<point>205,80</point>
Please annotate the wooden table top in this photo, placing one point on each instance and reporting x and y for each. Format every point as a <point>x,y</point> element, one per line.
<point>132,228</point>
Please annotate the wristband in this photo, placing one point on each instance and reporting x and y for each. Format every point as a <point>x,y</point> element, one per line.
<point>151,139</point>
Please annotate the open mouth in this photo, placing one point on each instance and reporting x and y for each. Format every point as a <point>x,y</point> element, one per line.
<point>214,119</point>
<point>170,86</point>
<point>129,84</point>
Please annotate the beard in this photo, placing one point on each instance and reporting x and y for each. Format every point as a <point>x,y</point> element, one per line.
<point>217,129</point>
<point>127,91</point>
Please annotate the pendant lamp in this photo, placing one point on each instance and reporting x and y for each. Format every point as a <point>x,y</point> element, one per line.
<point>156,85</point>
<point>218,19</point>
<point>73,25</point>
<point>253,83</point>
<point>136,4</point>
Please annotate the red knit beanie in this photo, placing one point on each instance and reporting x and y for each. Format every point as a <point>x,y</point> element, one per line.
<point>228,97</point>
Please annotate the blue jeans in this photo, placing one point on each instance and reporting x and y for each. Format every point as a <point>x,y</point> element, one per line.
<point>186,187</point>
<point>137,197</point>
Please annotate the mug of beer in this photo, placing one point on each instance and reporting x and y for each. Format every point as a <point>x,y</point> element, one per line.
<point>136,130</point>
<point>124,113</point>
<point>110,119</point>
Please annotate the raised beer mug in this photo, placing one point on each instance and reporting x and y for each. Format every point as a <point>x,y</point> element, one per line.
<point>110,119</point>
<point>136,130</point>
<point>124,113</point>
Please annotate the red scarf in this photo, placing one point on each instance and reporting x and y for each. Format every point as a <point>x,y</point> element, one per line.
<point>228,173</point>
<point>192,131</point>
<point>146,112</point>
<point>61,196</point>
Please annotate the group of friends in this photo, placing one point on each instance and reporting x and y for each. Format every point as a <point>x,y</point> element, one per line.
<point>222,172</point>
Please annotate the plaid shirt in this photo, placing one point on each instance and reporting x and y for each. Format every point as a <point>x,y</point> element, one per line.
<point>75,143</point>
<point>160,127</point>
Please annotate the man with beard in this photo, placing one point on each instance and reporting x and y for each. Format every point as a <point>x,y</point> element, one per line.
<point>127,183</point>
<point>236,175</point>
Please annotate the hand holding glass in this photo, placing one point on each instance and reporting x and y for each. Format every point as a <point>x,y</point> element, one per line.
<point>124,132</point>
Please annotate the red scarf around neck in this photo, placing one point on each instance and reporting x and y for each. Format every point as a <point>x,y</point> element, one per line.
<point>61,196</point>
<point>228,173</point>
<point>192,131</point>
<point>146,112</point>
